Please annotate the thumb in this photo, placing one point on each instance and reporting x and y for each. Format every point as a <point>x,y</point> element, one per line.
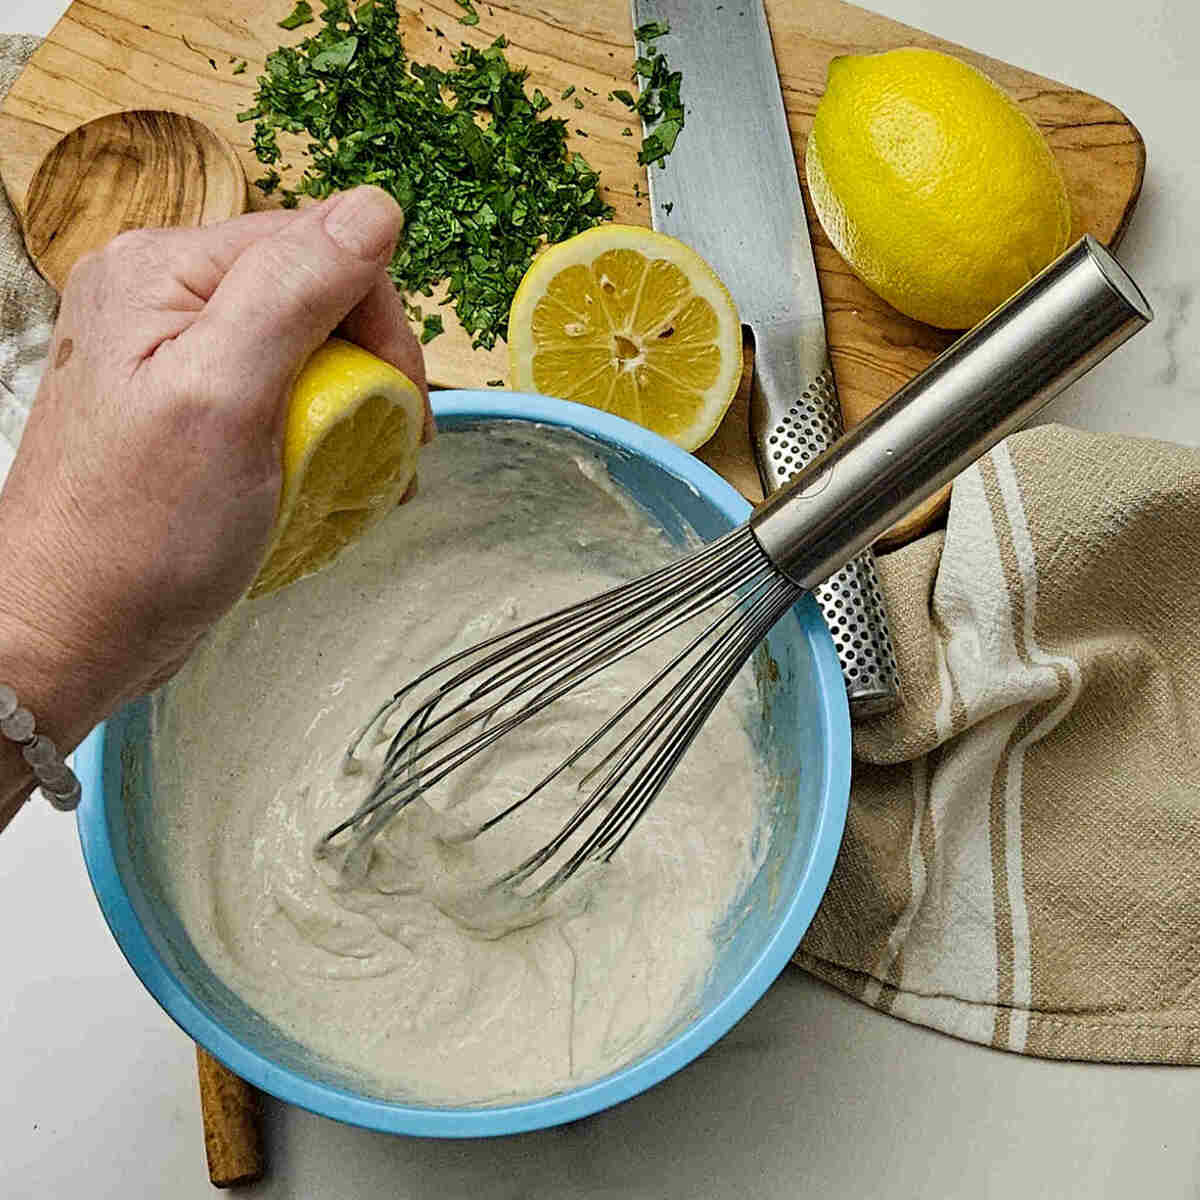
<point>289,291</point>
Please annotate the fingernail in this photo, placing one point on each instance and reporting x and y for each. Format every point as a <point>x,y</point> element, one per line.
<point>365,222</point>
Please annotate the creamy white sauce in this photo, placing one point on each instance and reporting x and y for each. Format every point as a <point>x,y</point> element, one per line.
<point>378,977</point>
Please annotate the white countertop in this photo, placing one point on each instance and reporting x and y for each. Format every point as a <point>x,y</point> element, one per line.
<point>812,1094</point>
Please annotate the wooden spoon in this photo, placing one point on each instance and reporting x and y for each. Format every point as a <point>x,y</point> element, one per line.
<point>127,170</point>
<point>130,170</point>
<point>232,1133</point>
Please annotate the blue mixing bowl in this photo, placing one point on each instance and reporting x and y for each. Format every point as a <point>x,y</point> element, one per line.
<point>804,734</point>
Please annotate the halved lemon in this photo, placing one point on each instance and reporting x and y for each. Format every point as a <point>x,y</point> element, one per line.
<point>632,322</point>
<point>349,454</point>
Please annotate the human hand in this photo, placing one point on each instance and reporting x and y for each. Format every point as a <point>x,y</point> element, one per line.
<point>146,485</point>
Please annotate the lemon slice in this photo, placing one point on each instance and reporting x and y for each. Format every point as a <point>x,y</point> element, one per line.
<point>633,322</point>
<point>349,454</point>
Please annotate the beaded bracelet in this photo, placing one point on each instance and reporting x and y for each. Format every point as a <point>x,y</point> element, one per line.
<point>55,779</point>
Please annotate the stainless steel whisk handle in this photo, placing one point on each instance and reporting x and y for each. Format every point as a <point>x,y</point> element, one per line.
<point>983,387</point>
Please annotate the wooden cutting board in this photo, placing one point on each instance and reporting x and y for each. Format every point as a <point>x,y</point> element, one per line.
<point>106,55</point>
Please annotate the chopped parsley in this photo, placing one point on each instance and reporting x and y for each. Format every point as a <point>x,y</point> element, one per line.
<point>567,92</point>
<point>302,14</point>
<point>336,57</point>
<point>431,326</point>
<point>495,383</point>
<point>240,68</point>
<point>470,16</point>
<point>650,31</point>
<point>483,177</point>
<point>658,102</point>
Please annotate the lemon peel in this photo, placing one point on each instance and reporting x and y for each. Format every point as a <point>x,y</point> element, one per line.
<point>350,449</point>
<point>933,184</point>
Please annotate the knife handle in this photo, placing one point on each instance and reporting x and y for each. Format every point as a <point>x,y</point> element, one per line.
<point>789,432</point>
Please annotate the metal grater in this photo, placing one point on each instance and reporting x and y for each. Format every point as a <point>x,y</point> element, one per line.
<point>851,601</point>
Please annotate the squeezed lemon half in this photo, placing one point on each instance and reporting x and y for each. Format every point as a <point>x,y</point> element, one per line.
<point>350,452</point>
<point>632,322</point>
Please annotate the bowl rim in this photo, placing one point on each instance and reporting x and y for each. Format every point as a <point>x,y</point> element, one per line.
<point>460,407</point>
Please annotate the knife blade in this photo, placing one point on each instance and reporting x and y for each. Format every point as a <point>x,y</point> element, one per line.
<point>730,190</point>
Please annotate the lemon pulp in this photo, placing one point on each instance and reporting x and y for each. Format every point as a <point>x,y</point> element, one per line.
<point>632,322</point>
<point>349,454</point>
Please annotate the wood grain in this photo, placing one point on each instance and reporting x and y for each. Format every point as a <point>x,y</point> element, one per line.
<point>106,55</point>
<point>127,170</point>
<point>230,1107</point>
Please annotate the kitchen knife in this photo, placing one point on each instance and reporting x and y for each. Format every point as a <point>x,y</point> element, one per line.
<point>730,190</point>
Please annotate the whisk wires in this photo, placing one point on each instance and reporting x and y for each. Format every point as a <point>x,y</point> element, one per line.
<point>469,701</point>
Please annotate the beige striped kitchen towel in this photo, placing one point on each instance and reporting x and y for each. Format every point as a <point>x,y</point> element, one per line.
<point>1021,865</point>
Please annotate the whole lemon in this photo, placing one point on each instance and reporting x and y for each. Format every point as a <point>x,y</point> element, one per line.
<point>933,185</point>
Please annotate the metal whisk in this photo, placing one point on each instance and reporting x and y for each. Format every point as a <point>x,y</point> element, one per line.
<point>733,590</point>
<point>478,696</point>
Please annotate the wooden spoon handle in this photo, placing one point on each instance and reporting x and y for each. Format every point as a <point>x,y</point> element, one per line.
<point>232,1138</point>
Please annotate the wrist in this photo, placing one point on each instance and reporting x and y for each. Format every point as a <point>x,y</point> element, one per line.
<point>48,655</point>
<point>43,679</point>
<point>64,692</point>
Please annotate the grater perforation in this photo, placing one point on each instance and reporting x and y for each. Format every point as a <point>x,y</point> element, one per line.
<point>851,601</point>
